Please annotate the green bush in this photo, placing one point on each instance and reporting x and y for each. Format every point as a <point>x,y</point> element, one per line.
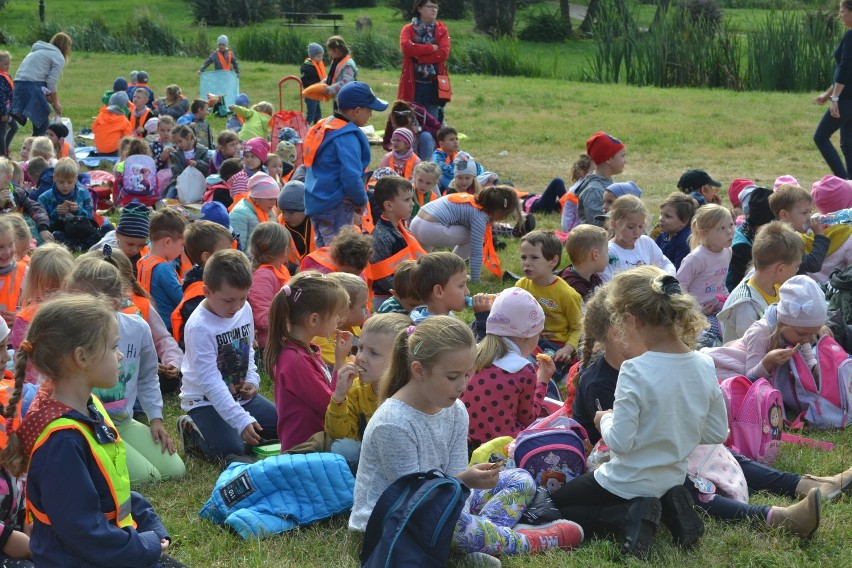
<point>545,26</point>
<point>6,38</point>
<point>355,3</point>
<point>479,55</point>
<point>272,46</point>
<point>306,6</point>
<point>374,51</point>
<point>234,12</point>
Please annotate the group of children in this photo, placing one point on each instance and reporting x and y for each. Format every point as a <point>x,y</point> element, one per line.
<point>281,271</point>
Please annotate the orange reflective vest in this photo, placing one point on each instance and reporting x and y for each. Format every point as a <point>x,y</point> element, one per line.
<point>281,273</point>
<point>139,304</point>
<point>321,256</point>
<point>10,287</point>
<point>315,136</point>
<point>568,197</point>
<point>237,198</point>
<point>320,67</point>
<point>111,460</point>
<point>185,266</point>
<point>137,122</point>
<point>489,253</point>
<point>262,216</point>
<point>307,238</point>
<point>388,266</point>
<point>145,269</point>
<point>7,387</point>
<point>450,158</point>
<point>28,313</point>
<point>225,62</point>
<point>340,65</point>
<point>9,80</point>
<point>194,290</point>
<point>66,150</point>
<point>406,170</point>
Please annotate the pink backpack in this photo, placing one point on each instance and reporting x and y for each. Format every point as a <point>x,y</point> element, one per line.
<point>823,402</point>
<point>755,418</point>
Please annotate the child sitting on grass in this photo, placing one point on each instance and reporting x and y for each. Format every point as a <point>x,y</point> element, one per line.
<point>445,155</point>
<point>163,141</point>
<point>69,207</point>
<point>14,199</point>
<point>777,252</point>
<point>155,271</point>
<point>700,186</point>
<point>111,124</point>
<point>403,297</point>
<point>255,152</point>
<point>609,156</point>
<point>308,306</point>
<point>426,177</point>
<point>131,234</point>
<point>256,208</point>
<point>355,396</point>
<point>270,247</point>
<point>464,176</point>
<point>227,146</point>
<point>291,204</point>
<point>186,153</point>
<point>402,158</point>
<point>676,214</point>
<point>630,246</point>
<point>587,247</point>
<point>757,214</point>
<point>350,251</point>
<point>226,414</point>
<point>792,205</point>
<point>350,319</point>
<point>199,124</point>
<point>256,120</point>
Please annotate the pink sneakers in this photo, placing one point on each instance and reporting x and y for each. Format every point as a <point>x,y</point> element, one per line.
<point>557,534</point>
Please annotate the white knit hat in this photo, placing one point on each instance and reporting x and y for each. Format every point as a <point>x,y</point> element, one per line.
<point>802,303</point>
<point>464,164</point>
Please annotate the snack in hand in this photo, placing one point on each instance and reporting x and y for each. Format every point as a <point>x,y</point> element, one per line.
<point>543,357</point>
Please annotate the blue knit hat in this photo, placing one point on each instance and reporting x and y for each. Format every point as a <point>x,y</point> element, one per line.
<point>134,221</point>
<point>119,84</point>
<point>216,212</point>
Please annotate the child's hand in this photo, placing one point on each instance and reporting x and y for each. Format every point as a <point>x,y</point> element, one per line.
<point>251,434</point>
<point>168,370</point>
<point>546,368</point>
<point>73,207</point>
<point>46,236</point>
<point>564,354</point>
<point>62,208</point>
<point>482,302</point>
<point>600,414</point>
<point>816,226</point>
<point>345,375</point>
<point>18,546</point>
<point>776,358</point>
<point>8,317</point>
<point>158,432</point>
<point>480,476</point>
<point>164,545</point>
<point>342,347</point>
<point>247,391</point>
<point>191,163</point>
<point>825,330</point>
<point>709,308</point>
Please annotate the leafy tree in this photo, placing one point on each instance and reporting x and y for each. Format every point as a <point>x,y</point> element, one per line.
<point>494,17</point>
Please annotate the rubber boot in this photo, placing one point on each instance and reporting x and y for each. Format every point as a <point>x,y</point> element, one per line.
<point>637,521</point>
<point>830,487</point>
<point>680,517</point>
<point>801,519</point>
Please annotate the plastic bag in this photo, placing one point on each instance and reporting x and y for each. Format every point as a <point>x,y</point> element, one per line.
<point>191,185</point>
<point>598,456</point>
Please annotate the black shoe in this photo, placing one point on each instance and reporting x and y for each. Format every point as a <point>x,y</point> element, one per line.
<point>643,517</point>
<point>540,510</point>
<point>499,245</point>
<point>511,276</point>
<point>529,224</point>
<point>680,517</point>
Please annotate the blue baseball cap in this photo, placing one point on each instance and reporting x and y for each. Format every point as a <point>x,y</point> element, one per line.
<point>359,95</point>
<point>216,212</point>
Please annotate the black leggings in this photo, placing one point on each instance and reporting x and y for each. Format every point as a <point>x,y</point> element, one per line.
<point>582,499</point>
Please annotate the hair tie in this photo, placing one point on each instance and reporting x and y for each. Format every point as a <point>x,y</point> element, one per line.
<point>10,426</point>
<point>670,285</point>
<point>410,329</point>
<point>27,346</point>
<point>107,252</point>
<point>287,290</point>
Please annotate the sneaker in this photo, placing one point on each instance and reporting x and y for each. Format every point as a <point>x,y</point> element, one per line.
<point>562,534</point>
<point>640,526</point>
<point>680,517</point>
<point>187,432</point>
<point>539,511</point>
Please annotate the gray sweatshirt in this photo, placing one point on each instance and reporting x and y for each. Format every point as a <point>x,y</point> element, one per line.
<point>43,64</point>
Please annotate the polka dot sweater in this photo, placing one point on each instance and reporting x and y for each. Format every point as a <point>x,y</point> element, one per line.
<point>502,403</point>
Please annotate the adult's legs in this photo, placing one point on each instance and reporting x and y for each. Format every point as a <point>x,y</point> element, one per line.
<point>328,224</point>
<point>426,147</point>
<point>426,94</point>
<point>822,138</point>
<point>549,200</point>
<point>7,133</point>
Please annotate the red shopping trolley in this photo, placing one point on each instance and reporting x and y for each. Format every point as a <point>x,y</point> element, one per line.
<point>294,119</point>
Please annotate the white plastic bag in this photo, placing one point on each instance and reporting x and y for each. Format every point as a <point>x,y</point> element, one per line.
<point>59,119</point>
<point>191,185</point>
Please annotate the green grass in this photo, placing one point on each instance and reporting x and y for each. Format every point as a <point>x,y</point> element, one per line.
<point>542,126</point>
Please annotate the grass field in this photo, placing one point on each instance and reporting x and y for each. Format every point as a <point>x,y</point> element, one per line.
<point>530,131</point>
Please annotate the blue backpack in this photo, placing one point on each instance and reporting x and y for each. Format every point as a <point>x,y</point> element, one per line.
<point>413,522</point>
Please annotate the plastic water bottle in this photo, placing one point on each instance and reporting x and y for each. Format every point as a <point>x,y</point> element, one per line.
<point>841,217</point>
<point>468,300</point>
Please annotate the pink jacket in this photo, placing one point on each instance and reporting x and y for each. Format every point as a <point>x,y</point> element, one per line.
<point>303,389</point>
<point>264,286</point>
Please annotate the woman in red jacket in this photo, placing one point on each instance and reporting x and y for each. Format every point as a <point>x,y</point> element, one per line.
<point>425,45</point>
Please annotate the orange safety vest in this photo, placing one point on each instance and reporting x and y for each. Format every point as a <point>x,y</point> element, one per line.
<point>367,224</point>
<point>7,387</point>
<point>139,121</point>
<point>192,291</point>
<point>262,216</point>
<point>340,65</point>
<point>281,273</point>
<point>225,63</point>
<point>25,260</point>
<point>139,304</point>
<point>237,198</point>
<point>310,242</point>
<point>422,198</point>
<point>321,256</point>
<point>450,158</point>
<point>10,288</point>
<point>8,80</point>
<point>185,266</point>
<point>315,136</point>
<point>388,266</point>
<point>320,67</point>
<point>568,197</point>
<point>489,253</point>
<point>407,170</point>
<point>66,150</point>
<point>145,269</point>
<point>28,313</point>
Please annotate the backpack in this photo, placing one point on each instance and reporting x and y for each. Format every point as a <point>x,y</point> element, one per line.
<point>839,292</point>
<point>140,176</point>
<point>755,418</point>
<point>413,522</point>
<point>552,450</point>
<point>823,403</point>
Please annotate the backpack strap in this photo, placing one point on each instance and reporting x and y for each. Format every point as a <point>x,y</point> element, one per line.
<point>802,441</point>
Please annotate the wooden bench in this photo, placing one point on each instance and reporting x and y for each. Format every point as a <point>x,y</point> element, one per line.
<point>299,19</point>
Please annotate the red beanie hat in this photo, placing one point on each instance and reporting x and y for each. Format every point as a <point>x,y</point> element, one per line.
<point>735,188</point>
<point>601,147</point>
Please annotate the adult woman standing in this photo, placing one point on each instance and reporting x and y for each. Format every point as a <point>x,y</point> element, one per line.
<point>839,113</point>
<point>425,45</point>
<point>36,82</point>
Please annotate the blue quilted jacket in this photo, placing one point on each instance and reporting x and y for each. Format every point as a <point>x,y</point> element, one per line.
<point>280,493</point>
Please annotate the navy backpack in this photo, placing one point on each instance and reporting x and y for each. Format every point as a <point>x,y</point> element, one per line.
<point>413,522</point>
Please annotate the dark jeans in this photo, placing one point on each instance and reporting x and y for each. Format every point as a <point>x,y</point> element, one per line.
<point>759,477</point>
<point>583,501</point>
<point>7,133</point>
<point>822,138</point>
<point>549,200</point>
<point>222,439</point>
<point>426,94</point>
<point>314,111</point>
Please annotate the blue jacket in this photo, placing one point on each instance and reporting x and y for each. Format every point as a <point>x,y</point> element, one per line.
<point>675,247</point>
<point>65,483</point>
<point>337,171</point>
<point>280,493</point>
<point>51,199</point>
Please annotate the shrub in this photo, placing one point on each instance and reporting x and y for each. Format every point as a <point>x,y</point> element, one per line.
<point>6,38</point>
<point>545,26</point>
<point>707,10</point>
<point>375,51</point>
<point>234,12</point>
<point>355,3</point>
<point>306,6</point>
<point>272,46</point>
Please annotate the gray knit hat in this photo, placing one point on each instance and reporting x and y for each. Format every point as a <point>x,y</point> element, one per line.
<point>223,40</point>
<point>134,221</point>
<point>292,197</point>
<point>315,49</point>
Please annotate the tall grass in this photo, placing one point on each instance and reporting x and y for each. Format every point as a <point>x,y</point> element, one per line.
<point>375,51</point>
<point>272,46</point>
<point>792,52</point>
<point>500,58</point>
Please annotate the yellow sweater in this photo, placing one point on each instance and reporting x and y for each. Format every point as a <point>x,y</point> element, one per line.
<point>326,345</point>
<point>562,310</point>
<point>349,418</point>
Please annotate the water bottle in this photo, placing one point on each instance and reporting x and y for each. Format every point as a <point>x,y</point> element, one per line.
<point>841,217</point>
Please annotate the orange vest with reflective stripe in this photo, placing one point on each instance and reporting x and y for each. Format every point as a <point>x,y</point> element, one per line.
<point>316,135</point>
<point>489,253</point>
<point>139,121</point>
<point>7,387</point>
<point>192,291</point>
<point>340,65</point>
<point>320,67</point>
<point>139,303</point>
<point>145,269</point>
<point>568,197</point>
<point>225,63</point>
<point>310,242</point>
<point>386,267</point>
<point>322,256</point>
<point>10,288</point>
<point>407,169</point>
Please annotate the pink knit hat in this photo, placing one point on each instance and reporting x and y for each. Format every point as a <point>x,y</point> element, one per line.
<point>259,147</point>
<point>405,135</point>
<point>788,179</point>
<point>831,194</point>
<point>263,186</point>
<point>515,313</point>
<point>735,188</point>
